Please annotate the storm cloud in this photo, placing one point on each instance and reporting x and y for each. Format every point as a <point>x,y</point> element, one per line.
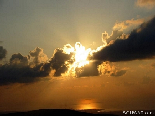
<point>34,66</point>
<point>20,70</point>
<point>58,61</point>
<point>139,45</point>
<point>20,74</point>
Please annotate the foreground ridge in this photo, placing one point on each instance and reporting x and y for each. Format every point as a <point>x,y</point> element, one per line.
<point>49,112</point>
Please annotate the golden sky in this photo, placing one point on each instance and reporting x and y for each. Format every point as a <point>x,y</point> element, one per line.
<point>77,54</point>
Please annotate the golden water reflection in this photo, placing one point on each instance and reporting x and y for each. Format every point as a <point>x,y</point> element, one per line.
<point>87,104</point>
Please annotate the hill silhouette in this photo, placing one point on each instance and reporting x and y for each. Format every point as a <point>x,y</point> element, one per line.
<point>49,112</point>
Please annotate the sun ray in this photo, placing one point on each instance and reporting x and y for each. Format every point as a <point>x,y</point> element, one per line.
<point>78,59</point>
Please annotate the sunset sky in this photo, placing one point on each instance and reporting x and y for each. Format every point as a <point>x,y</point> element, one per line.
<point>77,54</point>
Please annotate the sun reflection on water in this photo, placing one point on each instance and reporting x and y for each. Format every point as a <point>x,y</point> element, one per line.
<point>87,104</point>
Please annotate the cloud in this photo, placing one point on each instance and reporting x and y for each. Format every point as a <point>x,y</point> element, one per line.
<point>149,4</point>
<point>112,37</point>
<point>20,74</point>
<point>111,70</point>
<point>3,52</point>
<point>36,65</point>
<point>38,56</point>
<point>19,69</point>
<point>139,45</point>
<point>88,70</point>
<point>127,24</point>
<point>58,61</point>
<point>19,59</point>
<point>120,26</point>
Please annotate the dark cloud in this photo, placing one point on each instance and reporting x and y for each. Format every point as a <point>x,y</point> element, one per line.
<point>21,74</point>
<point>139,45</point>
<point>90,69</point>
<point>19,70</point>
<point>33,67</point>
<point>3,52</point>
<point>19,59</point>
<point>58,61</point>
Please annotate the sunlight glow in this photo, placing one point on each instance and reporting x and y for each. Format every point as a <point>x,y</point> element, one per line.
<point>87,104</point>
<point>79,57</point>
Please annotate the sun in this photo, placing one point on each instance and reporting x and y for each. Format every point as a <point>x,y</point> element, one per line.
<point>79,57</point>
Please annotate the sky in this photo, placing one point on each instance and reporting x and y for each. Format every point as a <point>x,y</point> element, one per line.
<point>77,54</point>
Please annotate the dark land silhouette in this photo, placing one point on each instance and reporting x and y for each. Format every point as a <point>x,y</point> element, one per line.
<point>89,112</point>
<point>49,112</point>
